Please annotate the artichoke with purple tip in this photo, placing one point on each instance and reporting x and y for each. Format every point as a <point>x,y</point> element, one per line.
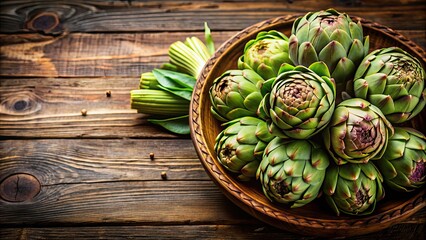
<point>301,101</point>
<point>403,164</point>
<point>353,188</point>
<point>331,37</point>
<point>236,94</point>
<point>292,171</point>
<point>394,81</point>
<point>240,146</point>
<point>265,54</point>
<point>358,131</point>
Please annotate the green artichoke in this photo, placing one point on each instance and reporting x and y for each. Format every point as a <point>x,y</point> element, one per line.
<point>358,131</point>
<point>301,101</point>
<point>353,188</point>
<point>394,81</point>
<point>331,37</point>
<point>240,146</point>
<point>292,171</point>
<point>403,164</point>
<point>265,54</point>
<point>236,94</point>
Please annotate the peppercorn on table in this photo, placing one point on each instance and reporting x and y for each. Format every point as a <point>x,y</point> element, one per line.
<point>77,162</point>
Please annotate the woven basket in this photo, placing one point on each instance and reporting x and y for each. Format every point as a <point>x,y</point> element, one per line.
<point>315,218</point>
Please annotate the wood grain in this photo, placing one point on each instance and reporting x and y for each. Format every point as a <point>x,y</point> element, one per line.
<point>114,181</point>
<point>51,108</point>
<point>142,202</point>
<point>218,231</point>
<point>128,16</point>
<point>84,161</point>
<point>89,55</point>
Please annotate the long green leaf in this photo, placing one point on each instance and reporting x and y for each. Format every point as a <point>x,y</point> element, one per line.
<point>182,79</point>
<point>179,125</point>
<point>183,93</point>
<point>165,81</point>
<point>209,39</point>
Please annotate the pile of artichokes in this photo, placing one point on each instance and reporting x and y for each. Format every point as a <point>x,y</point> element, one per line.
<point>315,114</point>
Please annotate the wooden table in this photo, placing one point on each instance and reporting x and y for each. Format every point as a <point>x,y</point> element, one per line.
<point>68,176</point>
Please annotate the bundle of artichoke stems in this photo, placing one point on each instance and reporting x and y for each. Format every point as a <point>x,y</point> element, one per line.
<point>315,115</point>
<point>164,94</point>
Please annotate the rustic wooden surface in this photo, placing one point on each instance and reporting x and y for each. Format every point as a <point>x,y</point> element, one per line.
<point>68,176</point>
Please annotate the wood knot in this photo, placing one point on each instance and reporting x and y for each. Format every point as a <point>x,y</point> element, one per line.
<point>46,22</point>
<point>19,187</point>
<point>23,103</point>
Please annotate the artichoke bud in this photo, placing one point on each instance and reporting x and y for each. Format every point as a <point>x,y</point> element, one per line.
<point>240,146</point>
<point>353,189</point>
<point>292,171</point>
<point>358,132</point>
<point>329,36</point>
<point>236,94</point>
<point>403,164</point>
<point>301,102</point>
<point>265,54</point>
<point>394,81</point>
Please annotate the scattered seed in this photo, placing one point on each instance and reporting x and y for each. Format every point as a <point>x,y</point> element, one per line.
<point>151,156</point>
<point>164,175</point>
<point>83,112</point>
<point>108,93</point>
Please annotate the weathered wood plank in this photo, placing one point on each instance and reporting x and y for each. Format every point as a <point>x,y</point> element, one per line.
<point>154,202</point>
<point>71,161</point>
<point>136,202</point>
<point>102,16</point>
<point>99,55</point>
<point>220,231</point>
<point>51,108</point>
<point>115,182</point>
<point>89,55</point>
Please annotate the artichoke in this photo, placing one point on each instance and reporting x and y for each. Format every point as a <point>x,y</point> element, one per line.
<point>394,81</point>
<point>331,37</point>
<point>292,171</point>
<point>358,131</point>
<point>265,54</point>
<point>403,164</point>
<point>235,94</point>
<point>353,188</point>
<point>301,101</point>
<point>240,146</point>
